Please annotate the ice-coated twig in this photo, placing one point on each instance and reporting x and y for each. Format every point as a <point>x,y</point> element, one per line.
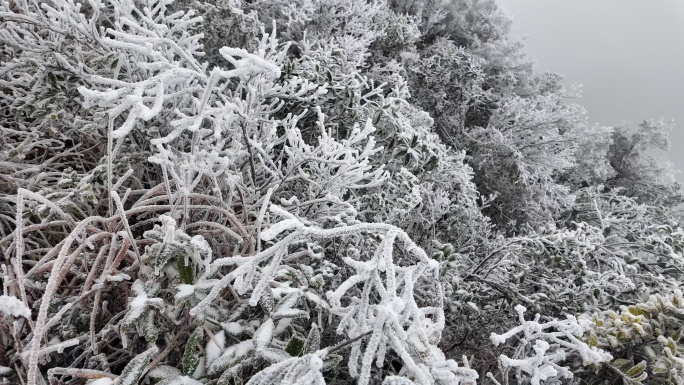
<point>553,342</point>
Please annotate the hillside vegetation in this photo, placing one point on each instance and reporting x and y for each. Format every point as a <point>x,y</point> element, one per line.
<point>273,192</point>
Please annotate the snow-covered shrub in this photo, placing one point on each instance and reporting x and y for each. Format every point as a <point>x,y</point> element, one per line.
<point>273,192</point>
<point>543,348</point>
<point>643,338</point>
<point>392,298</point>
<point>217,146</point>
<point>619,253</point>
<point>351,25</point>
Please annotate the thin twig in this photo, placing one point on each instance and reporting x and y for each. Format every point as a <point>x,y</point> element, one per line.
<point>172,345</point>
<point>346,343</point>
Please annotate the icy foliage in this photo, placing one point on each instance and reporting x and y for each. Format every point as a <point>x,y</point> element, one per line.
<point>553,342</point>
<point>387,312</point>
<point>319,192</point>
<point>652,331</point>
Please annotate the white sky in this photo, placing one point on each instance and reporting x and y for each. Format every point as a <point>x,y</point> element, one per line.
<point>628,54</point>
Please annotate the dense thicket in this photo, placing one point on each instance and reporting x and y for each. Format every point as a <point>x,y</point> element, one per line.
<point>320,191</point>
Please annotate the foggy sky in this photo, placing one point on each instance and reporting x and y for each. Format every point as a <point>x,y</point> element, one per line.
<point>628,54</point>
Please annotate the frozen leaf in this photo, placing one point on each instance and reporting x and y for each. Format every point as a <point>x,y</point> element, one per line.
<point>313,340</point>
<point>262,336</point>
<point>191,354</point>
<point>134,369</point>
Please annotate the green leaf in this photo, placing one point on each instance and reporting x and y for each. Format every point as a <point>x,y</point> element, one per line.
<point>149,329</point>
<point>622,364</point>
<point>191,354</point>
<point>593,341</point>
<point>164,255</point>
<point>313,340</point>
<point>414,141</point>
<point>294,347</point>
<point>114,63</point>
<point>390,145</point>
<point>267,301</point>
<point>52,79</point>
<point>377,118</point>
<point>672,345</point>
<point>635,311</point>
<point>637,371</point>
<point>185,272</point>
<point>286,307</point>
